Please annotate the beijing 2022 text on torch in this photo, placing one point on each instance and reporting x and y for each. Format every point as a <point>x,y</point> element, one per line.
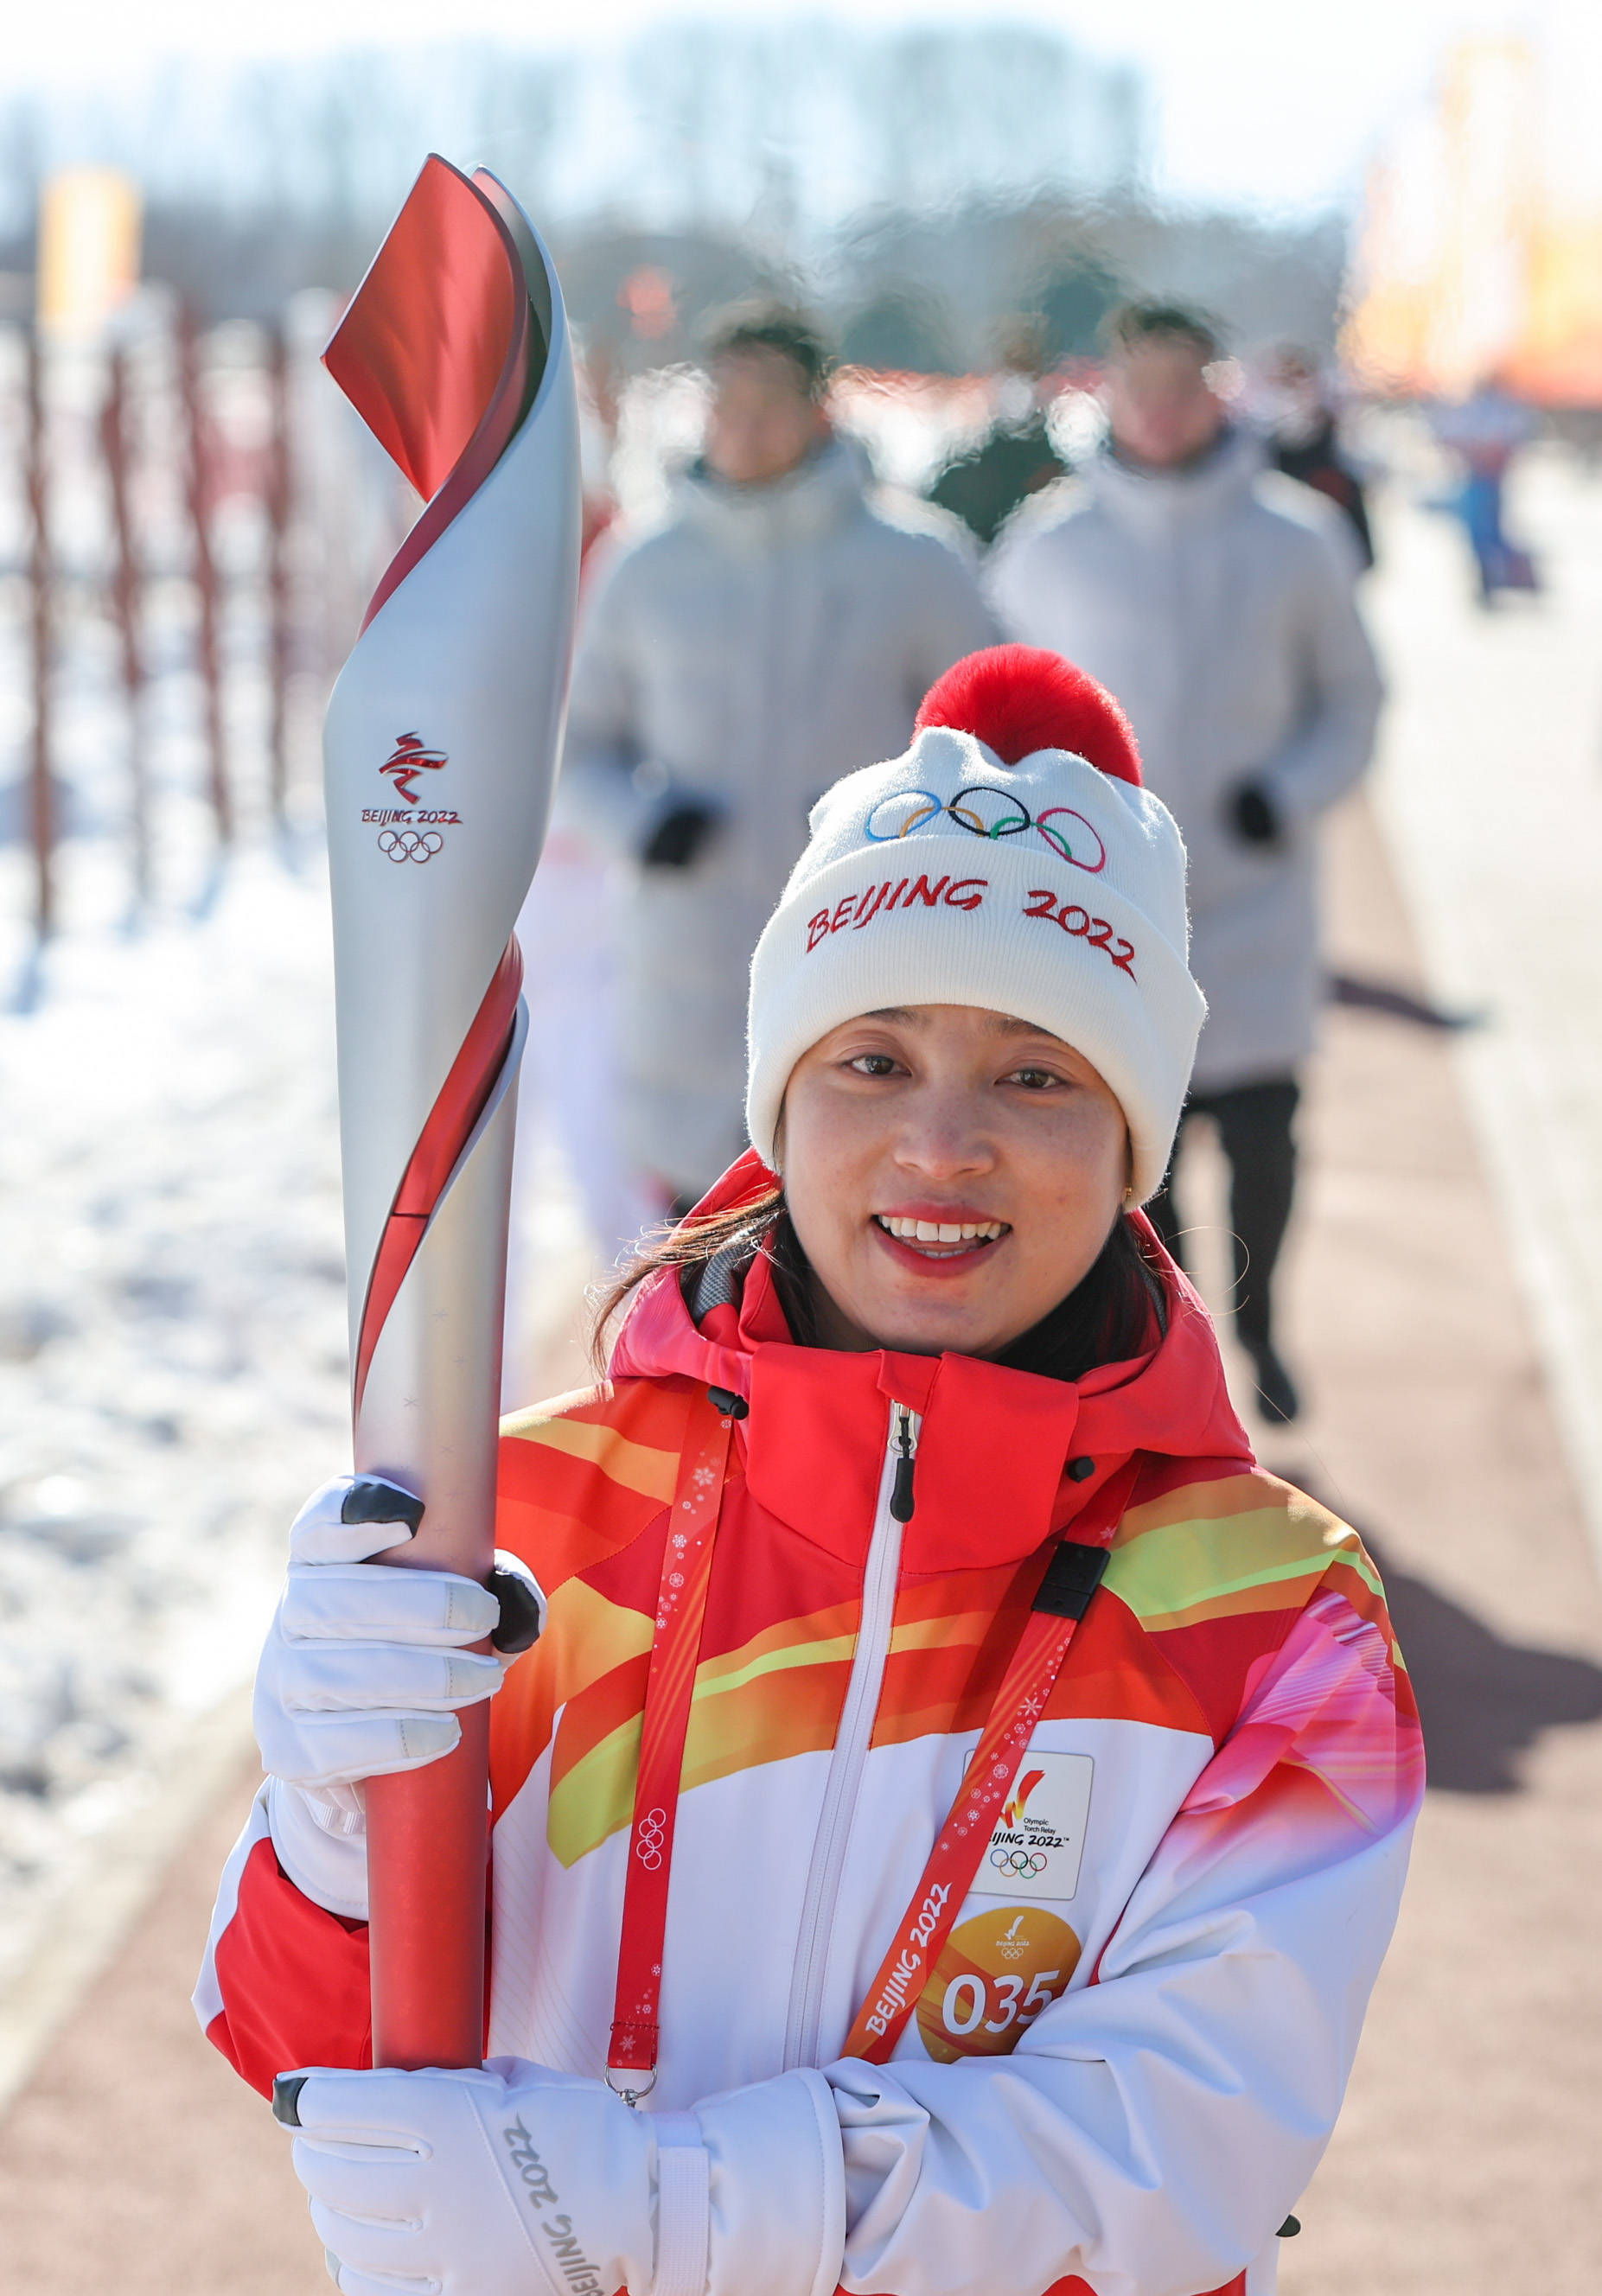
<point>441,745</point>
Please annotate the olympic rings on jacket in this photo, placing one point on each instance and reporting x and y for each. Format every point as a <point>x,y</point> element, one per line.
<point>410,844</point>
<point>983,810</point>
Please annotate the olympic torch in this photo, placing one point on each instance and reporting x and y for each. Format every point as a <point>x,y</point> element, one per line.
<point>440,748</point>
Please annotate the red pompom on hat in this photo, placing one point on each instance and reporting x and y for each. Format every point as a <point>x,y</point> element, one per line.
<point>1018,698</point>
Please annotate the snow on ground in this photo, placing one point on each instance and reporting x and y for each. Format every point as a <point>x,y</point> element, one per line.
<point>172,1315</point>
<point>172,1340</point>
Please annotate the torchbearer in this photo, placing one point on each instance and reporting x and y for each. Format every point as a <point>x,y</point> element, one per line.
<point>948,1829</point>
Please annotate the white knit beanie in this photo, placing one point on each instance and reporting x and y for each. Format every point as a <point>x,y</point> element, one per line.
<point>1010,860</point>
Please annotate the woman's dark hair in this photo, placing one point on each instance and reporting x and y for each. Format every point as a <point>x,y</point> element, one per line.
<point>1112,1313</point>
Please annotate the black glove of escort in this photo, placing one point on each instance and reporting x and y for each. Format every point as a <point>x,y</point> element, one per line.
<point>1252,814</point>
<point>679,836</point>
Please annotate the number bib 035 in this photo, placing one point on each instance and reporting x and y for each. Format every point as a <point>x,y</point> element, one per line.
<point>995,1974</point>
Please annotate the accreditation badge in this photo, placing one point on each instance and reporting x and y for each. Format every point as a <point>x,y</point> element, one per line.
<point>1040,1837</point>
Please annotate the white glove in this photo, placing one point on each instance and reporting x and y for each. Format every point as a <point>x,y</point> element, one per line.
<point>362,1674</point>
<point>516,2181</point>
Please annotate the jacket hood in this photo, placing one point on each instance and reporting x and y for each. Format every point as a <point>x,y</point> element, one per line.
<point>821,493</point>
<point>1162,502</point>
<point>994,1444</point>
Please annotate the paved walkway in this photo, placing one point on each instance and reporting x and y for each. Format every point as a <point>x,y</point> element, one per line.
<point>1460,2167</point>
<point>1490,790</point>
<point>1463,2165</point>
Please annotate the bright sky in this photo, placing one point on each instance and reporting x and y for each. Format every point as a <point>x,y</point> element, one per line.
<point>1256,101</point>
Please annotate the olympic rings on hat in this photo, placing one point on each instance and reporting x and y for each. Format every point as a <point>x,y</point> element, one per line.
<point>410,844</point>
<point>1018,1861</point>
<point>983,810</point>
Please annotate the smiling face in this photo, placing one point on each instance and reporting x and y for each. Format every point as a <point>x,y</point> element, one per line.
<point>951,1174</point>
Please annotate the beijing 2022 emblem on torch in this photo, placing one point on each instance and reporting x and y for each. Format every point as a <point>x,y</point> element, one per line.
<point>440,748</point>
<point>413,831</point>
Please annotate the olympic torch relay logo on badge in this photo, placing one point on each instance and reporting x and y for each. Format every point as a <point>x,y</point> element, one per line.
<point>1013,1814</point>
<point>1040,1837</point>
<point>411,830</point>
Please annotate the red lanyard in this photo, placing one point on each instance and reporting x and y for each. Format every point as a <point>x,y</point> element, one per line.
<point>669,1692</point>
<point>1069,1578</point>
<point>1067,1584</point>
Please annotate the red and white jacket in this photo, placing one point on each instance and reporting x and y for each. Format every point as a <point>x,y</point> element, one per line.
<point>1131,2050</point>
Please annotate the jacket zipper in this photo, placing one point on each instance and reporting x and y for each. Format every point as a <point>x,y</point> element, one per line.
<point>879,1578</point>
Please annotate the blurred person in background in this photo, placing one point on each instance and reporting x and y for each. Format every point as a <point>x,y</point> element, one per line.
<point>783,624</point>
<point>1304,440</point>
<point>1215,599</point>
<point>1485,434</point>
<point>1017,457</point>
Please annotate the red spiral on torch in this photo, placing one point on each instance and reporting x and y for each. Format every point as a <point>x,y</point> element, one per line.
<point>437,352</point>
<point>462,1101</point>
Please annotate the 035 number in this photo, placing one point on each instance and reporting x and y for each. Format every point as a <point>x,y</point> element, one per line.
<point>968,1997</point>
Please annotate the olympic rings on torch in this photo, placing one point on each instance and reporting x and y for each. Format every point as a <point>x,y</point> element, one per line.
<point>1018,1861</point>
<point>984,810</point>
<point>410,844</point>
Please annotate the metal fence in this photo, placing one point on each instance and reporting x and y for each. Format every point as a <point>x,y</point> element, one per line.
<point>189,525</point>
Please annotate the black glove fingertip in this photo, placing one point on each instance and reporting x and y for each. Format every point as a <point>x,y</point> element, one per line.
<point>371,1499</point>
<point>521,1620</point>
